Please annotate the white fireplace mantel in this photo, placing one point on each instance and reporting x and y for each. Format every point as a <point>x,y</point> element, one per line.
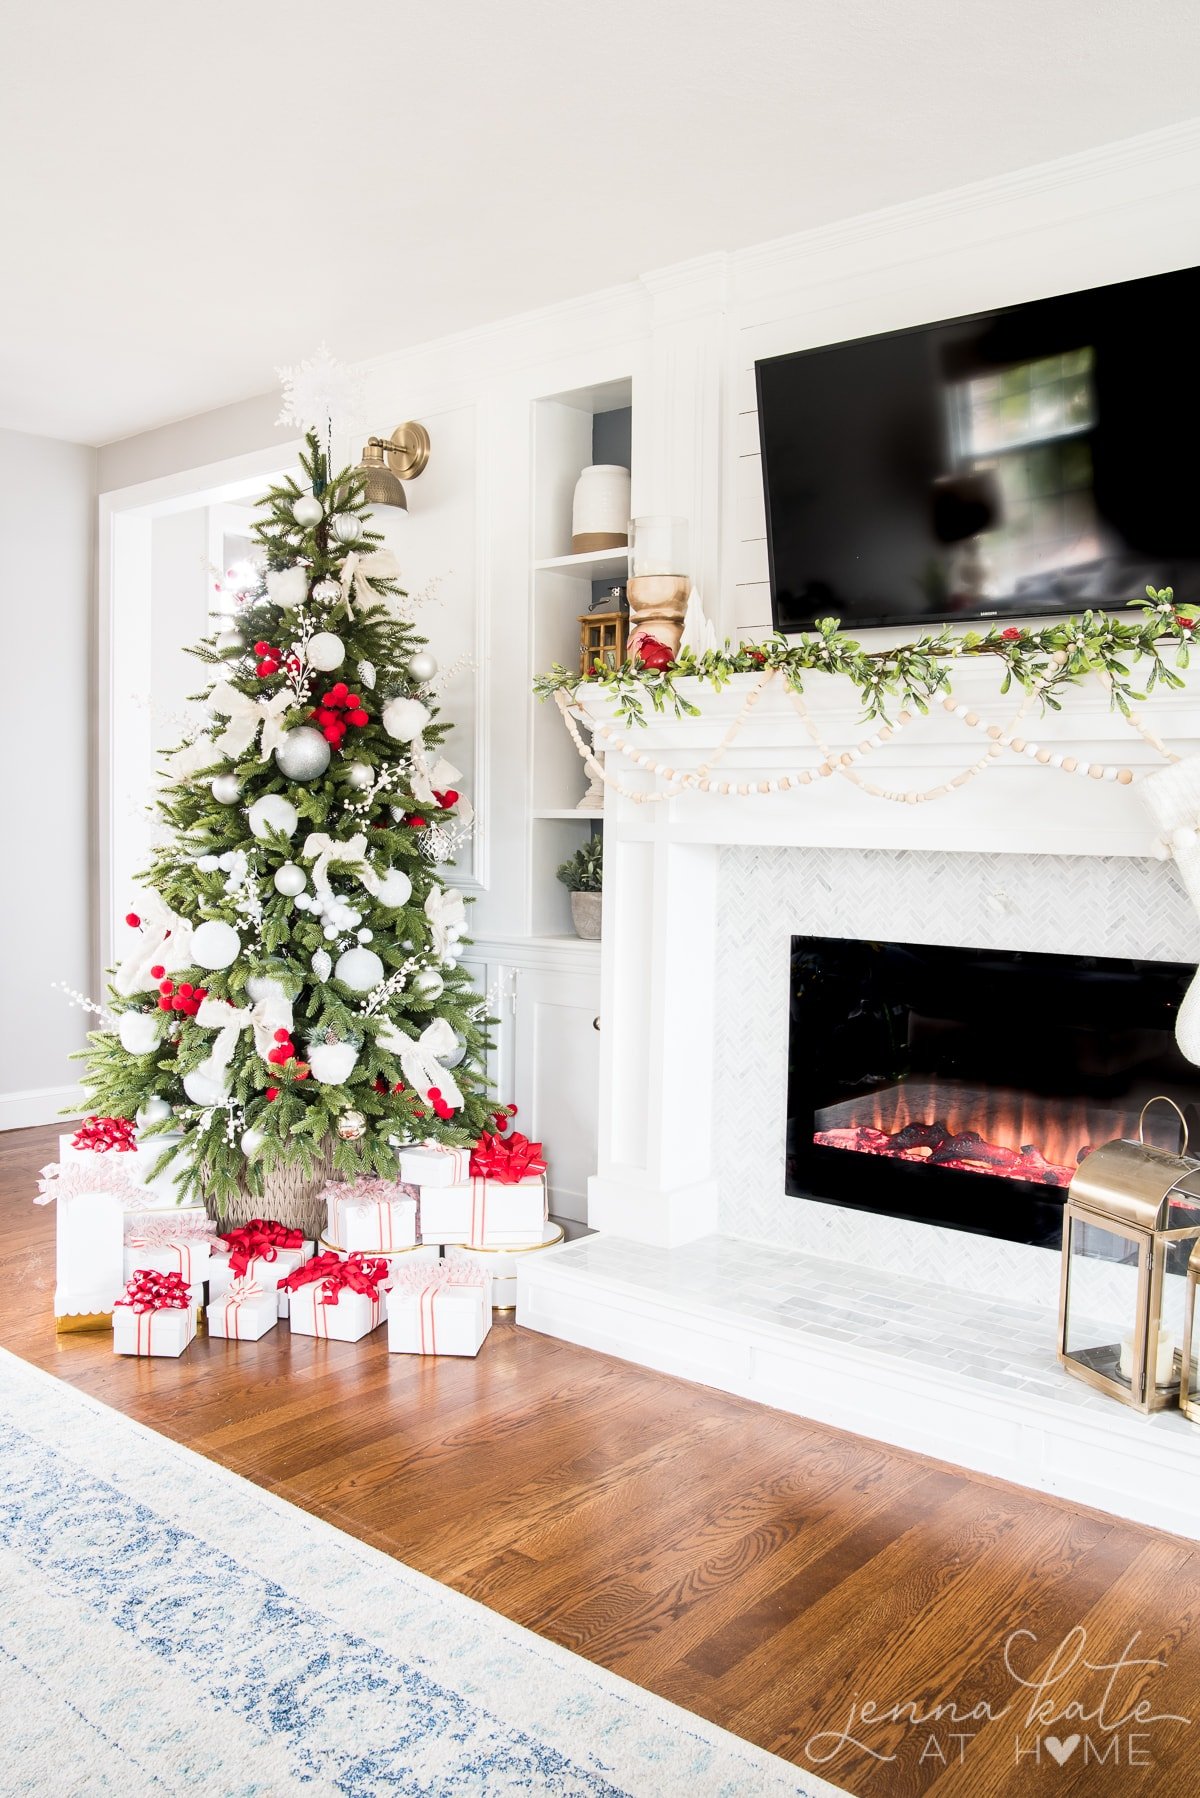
<point>656,1181</point>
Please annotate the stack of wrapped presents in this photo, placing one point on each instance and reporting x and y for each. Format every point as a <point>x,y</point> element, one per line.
<point>428,1253</point>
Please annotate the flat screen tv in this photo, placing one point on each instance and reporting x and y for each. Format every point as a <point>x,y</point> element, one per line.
<point>1039,459</point>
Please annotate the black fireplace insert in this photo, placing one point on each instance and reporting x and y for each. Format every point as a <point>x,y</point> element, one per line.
<point>964,1086</point>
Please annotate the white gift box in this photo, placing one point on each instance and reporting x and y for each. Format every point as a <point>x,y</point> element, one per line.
<point>433,1164</point>
<point>372,1216</point>
<point>133,1167</point>
<point>354,1316</point>
<point>185,1255</point>
<point>259,1269</point>
<point>507,1215</point>
<point>440,1318</point>
<point>165,1332</point>
<point>444,1213</point>
<point>243,1316</point>
<point>502,1264</point>
<point>95,1193</point>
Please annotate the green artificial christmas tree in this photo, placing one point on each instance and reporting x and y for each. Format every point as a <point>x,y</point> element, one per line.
<point>292,1002</point>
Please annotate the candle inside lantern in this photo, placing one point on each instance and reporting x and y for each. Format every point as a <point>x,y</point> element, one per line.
<point>1164,1362</point>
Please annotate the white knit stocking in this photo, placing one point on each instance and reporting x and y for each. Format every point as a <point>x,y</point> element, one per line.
<point>1173,798</point>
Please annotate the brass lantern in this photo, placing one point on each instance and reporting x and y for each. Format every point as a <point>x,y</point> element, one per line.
<point>1131,1221</point>
<point>1189,1369</point>
<point>602,639</point>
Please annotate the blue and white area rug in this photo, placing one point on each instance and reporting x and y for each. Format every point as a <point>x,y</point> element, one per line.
<point>166,1627</point>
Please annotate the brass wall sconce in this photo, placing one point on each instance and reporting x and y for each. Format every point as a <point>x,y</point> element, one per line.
<point>387,462</point>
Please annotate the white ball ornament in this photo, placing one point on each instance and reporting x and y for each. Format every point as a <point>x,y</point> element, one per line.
<point>360,775</point>
<point>272,812</point>
<point>288,587</point>
<point>252,1141</point>
<point>394,889</point>
<point>206,1086</point>
<point>290,880</point>
<point>422,666</point>
<point>347,527</point>
<point>308,510</point>
<point>208,864</point>
<point>366,936</point>
<point>138,1031</point>
<point>225,789</point>
<point>455,1057</point>
<point>154,1111</point>
<point>265,986</point>
<point>215,945</point>
<point>303,754</point>
<point>404,719</point>
<point>429,984</point>
<point>359,969</point>
<point>325,650</point>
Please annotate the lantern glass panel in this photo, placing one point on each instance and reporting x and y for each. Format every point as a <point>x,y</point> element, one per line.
<point>1104,1273</point>
<point>1191,1397</point>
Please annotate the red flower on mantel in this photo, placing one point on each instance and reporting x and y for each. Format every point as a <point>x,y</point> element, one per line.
<point>1185,624</point>
<point>1012,634</point>
<point>653,654</point>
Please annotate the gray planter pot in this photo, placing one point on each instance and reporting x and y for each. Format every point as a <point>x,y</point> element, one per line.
<point>585,913</point>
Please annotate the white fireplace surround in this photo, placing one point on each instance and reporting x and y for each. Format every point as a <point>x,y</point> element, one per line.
<point>702,893</point>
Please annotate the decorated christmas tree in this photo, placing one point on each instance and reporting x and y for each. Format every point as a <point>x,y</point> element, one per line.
<point>291,1000</point>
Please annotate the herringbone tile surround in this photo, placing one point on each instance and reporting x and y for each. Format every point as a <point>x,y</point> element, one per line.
<point>1074,904</point>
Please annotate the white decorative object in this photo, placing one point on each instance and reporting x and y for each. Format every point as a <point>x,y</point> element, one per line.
<point>446,911</point>
<point>324,650</point>
<point>332,1063</point>
<point>404,719</point>
<point>264,989</point>
<point>262,1270</point>
<point>156,1110</point>
<point>422,666</point>
<point>354,1315</point>
<point>165,1332</point>
<point>225,789</point>
<point>424,1059</point>
<point>206,1085</point>
<point>359,775</point>
<point>321,964</point>
<point>328,591</point>
<point>215,944</point>
<point>347,527</point>
<point>308,510</point>
<point>251,1142</point>
<point>371,1216</point>
<point>1164,1359</point>
<point>600,509</point>
<point>244,1312</point>
<point>302,754</point>
<point>507,1215</point>
<point>169,1246</point>
<point>394,889</point>
<point>502,1264</point>
<point>138,1031</point>
<point>360,969</point>
<point>272,813</point>
<point>439,1311</point>
<point>428,984</point>
<point>290,880</point>
<point>445,1214</point>
<point>288,587</point>
<point>434,1164</point>
<point>699,632</point>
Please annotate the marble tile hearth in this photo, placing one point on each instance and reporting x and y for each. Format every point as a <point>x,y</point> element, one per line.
<point>968,1378</point>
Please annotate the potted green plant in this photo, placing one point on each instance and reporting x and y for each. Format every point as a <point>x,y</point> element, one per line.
<point>583,877</point>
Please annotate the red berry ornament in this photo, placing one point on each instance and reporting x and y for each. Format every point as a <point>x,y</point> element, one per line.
<point>132,919</point>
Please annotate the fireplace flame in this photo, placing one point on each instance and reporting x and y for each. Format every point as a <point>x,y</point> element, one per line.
<point>988,1130</point>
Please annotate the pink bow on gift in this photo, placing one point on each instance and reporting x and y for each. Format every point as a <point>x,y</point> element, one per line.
<point>443,1274</point>
<point>239,1290</point>
<point>151,1291</point>
<point>260,1239</point>
<point>357,1273</point>
<point>508,1159</point>
<point>74,1180</point>
<point>165,1232</point>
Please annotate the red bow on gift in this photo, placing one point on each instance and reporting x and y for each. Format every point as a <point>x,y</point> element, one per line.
<point>102,1134</point>
<point>151,1291</point>
<point>260,1239</point>
<point>506,1158</point>
<point>357,1273</point>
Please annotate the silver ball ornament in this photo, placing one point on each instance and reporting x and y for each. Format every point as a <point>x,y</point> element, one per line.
<point>456,1055</point>
<point>215,944</point>
<point>272,812</point>
<point>308,510</point>
<point>303,754</point>
<point>225,789</point>
<point>351,1125</point>
<point>429,984</point>
<point>324,650</point>
<point>290,880</point>
<point>154,1111</point>
<point>360,969</point>
<point>327,592</point>
<point>347,527</point>
<point>360,775</point>
<point>422,666</point>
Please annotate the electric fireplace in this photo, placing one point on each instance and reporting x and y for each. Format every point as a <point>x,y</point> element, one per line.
<point>963,1087</point>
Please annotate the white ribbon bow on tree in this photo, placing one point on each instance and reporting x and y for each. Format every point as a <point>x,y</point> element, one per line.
<point>165,940</point>
<point>428,782</point>
<point>246,716</point>
<point>325,851</point>
<point>360,571</point>
<point>421,1058</point>
<point>447,913</point>
<point>267,1015</point>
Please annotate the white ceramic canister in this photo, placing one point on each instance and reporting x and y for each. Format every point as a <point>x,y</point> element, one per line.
<point>600,510</point>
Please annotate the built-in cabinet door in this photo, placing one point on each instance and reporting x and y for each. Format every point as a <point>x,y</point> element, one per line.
<point>556,1076</point>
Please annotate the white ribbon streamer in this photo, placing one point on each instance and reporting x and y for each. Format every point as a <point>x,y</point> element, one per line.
<point>246,716</point>
<point>325,851</point>
<point>267,1015</point>
<point>427,782</point>
<point>420,1057</point>
<point>447,913</point>
<point>359,571</point>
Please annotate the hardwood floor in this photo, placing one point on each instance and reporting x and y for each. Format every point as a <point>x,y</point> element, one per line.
<point>774,1575</point>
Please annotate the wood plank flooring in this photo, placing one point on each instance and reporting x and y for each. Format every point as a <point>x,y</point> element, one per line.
<point>772,1574</point>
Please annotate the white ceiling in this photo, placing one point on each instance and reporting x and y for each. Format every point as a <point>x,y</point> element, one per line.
<point>194,194</point>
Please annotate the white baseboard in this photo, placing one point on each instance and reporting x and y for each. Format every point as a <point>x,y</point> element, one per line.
<point>39,1105</point>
